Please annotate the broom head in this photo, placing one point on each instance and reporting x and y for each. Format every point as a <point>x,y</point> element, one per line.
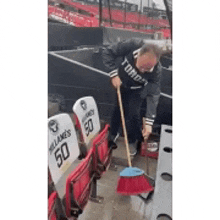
<point>132,181</point>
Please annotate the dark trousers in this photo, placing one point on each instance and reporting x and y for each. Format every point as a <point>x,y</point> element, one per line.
<point>131,102</point>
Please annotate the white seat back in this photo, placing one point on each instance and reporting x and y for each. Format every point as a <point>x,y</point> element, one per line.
<point>63,149</point>
<point>86,111</point>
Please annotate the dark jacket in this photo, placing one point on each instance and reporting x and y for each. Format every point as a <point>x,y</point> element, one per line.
<point>120,59</point>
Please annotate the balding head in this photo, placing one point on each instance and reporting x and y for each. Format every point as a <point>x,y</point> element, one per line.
<point>148,57</point>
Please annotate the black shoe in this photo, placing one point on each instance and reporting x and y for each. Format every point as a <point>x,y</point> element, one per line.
<point>112,145</point>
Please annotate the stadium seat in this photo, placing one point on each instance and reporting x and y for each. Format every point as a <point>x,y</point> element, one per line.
<point>63,152</point>
<point>78,185</point>
<point>92,135</point>
<point>86,111</point>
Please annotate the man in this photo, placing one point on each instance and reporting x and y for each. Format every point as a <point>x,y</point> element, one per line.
<point>134,67</point>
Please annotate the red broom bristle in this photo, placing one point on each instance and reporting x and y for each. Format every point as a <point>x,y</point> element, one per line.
<point>134,185</point>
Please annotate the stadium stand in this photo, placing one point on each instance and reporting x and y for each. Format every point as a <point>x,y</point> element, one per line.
<point>83,15</point>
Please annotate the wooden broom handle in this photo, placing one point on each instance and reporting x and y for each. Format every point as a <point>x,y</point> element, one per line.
<point>123,126</point>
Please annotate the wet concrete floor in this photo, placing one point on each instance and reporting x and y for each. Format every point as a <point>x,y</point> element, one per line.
<point>116,206</point>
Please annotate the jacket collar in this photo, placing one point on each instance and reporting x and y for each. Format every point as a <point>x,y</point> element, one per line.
<point>135,53</point>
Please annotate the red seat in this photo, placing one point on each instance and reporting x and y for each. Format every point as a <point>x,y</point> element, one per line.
<point>103,152</point>
<point>78,185</point>
<point>52,206</point>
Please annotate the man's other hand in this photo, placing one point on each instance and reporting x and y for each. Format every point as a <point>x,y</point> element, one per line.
<point>146,131</point>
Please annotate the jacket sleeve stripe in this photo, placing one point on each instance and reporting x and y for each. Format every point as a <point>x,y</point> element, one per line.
<point>149,121</point>
<point>113,73</point>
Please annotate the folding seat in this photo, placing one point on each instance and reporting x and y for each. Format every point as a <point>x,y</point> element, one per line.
<point>79,185</point>
<point>86,111</point>
<point>103,152</point>
<point>63,152</point>
<point>88,121</point>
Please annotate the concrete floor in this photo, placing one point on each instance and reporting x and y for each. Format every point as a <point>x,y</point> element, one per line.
<point>116,206</point>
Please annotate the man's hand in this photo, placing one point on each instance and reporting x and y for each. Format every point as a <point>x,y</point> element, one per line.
<point>147,130</point>
<point>116,82</point>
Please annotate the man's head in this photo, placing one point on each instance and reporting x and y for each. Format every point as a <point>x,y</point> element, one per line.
<point>148,57</point>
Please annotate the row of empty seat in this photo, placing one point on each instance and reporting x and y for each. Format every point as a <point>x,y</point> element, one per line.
<point>82,15</point>
<point>118,15</point>
<point>73,178</point>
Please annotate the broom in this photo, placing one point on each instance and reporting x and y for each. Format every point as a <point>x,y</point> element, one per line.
<point>132,180</point>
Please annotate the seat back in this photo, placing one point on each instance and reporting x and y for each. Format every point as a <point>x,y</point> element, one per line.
<point>52,215</point>
<point>78,185</point>
<point>103,152</point>
<point>86,111</point>
<point>83,109</point>
<point>63,150</point>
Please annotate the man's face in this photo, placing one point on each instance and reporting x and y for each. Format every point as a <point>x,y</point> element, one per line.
<point>146,62</point>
